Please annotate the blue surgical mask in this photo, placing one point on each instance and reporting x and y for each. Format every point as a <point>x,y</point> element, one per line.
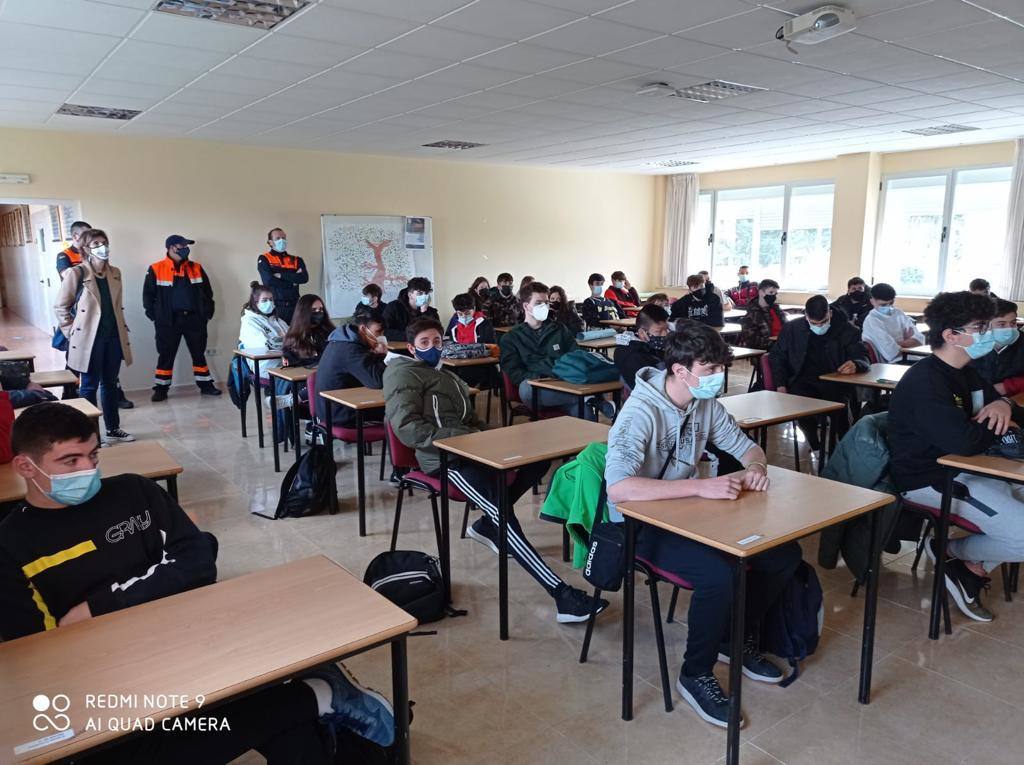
<point>266,307</point>
<point>366,300</point>
<point>280,245</point>
<point>71,488</point>
<point>597,289</point>
<point>619,284</point>
<point>465,320</point>
<point>431,356</point>
<point>744,278</point>
<point>708,386</point>
<point>820,330</point>
<point>1005,335</point>
<point>983,344</point>
<point>885,310</point>
<point>422,299</point>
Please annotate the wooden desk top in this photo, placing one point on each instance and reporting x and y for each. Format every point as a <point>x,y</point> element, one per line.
<point>146,458</point>
<point>17,356</point>
<point>526,443</point>
<point>998,467</point>
<point>398,345</point>
<point>768,407</point>
<point>257,355</point>
<point>918,350</point>
<point>576,389</point>
<point>54,378</point>
<point>884,376</point>
<point>735,313</point>
<point>795,505</point>
<point>739,352</point>
<point>217,641</point>
<point>598,344</point>
<point>356,398</point>
<point>78,403</point>
<point>503,330</point>
<point>292,374</point>
<point>485,361</point>
<point>730,329</point>
<point>619,323</point>
<point>791,307</point>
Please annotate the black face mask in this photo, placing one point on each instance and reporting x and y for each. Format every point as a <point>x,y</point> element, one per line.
<point>506,289</point>
<point>555,304</point>
<point>317,317</point>
<point>657,343</point>
<point>482,292</point>
<point>183,253</point>
<point>769,299</point>
<point>857,297</point>
<point>699,293</point>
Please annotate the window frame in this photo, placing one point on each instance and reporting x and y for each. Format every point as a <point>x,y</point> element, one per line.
<point>950,174</point>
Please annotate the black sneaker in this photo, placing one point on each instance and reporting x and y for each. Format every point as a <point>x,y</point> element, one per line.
<point>574,605</point>
<point>606,407</point>
<point>118,436</point>
<point>159,394</point>
<point>705,695</point>
<point>362,710</point>
<point>209,390</point>
<point>755,665</point>
<point>485,532</point>
<point>963,585</point>
<point>122,402</point>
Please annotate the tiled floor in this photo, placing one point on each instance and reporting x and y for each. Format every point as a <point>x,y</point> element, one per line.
<point>478,700</point>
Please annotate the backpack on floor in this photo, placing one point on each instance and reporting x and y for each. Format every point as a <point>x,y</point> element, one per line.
<point>307,486</point>
<point>583,367</point>
<point>792,627</point>
<point>238,385</point>
<point>412,581</point>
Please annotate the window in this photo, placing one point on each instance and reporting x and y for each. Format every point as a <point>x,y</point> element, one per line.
<point>940,230</point>
<point>782,232</point>
<point>701,258</point>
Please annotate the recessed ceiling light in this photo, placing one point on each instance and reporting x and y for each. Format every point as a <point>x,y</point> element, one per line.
<point>259,14</point>
<point>716,90</point>
<point>101,112</point>
<point>447,144</point>
<point>941,130</point>
<point>671,163</point>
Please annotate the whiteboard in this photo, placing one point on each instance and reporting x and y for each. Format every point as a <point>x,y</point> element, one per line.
<point>386,250</point>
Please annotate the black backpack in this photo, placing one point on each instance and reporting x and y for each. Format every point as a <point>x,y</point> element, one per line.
<point>238,385</point>
<point>307,486</point>
<point>412,581</point>
<point>792,627</point>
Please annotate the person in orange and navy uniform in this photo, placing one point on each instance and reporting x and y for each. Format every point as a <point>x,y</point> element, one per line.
<point>178,299</point>
<point>282,273</point>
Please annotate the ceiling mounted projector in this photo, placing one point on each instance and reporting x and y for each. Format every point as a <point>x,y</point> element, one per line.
<point>818,25</point>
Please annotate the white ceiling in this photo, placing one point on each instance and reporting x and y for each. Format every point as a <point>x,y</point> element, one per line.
<point>548,82</point>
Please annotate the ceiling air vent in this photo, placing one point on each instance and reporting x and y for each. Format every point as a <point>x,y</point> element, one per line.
<point>671,163</point>
<point>460,145</point>
<point>941,130</point>
<point>716,90</point>
<point>101,112</point>
<point>258,14</point>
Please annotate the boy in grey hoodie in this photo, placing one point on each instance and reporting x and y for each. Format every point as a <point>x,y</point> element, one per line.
<point>663,429</point>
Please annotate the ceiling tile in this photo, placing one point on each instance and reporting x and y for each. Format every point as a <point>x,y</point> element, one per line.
<point>667,17</point>
<point>468,78</point>
<point>1011,8</point>
<point>540,87</point>
<point>526,59</point>
<point>825,85</point>
<point>51,50</point>
<point>420,10</point>
<point>345,27</point>
<point>873,95</point>
<point>924,18</point>
<point>73,15</point>
<point>985,44</point>
<point>509,19</point>
<point>894,65</point>
<point>449,44</point>
<point>303,51</point>
<point>751,70</point>
<point>746,30</point>
<point>967,79</point>
<point>827,55</point>
<point>384,62</point>
<point>666,53</point>
<point>27,93</point>
<point>593,37</point>
<point>31,79</point>
<point>281,72</point>
<point>183,32</point>
<point>596,71</point>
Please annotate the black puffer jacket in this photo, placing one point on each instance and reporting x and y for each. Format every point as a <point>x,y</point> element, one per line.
<point>630,359</point>
<point>842,344</point>
<point>348,362</point>
<point>399,314</point>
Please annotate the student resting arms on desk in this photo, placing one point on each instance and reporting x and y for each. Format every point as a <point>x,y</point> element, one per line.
<point>666,424</point>
<point>943,406</point>
<point>66,557</point>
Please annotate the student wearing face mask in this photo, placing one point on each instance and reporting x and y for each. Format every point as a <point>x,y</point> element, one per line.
<point>90,313</point>
<point>855,303</point>
<point>654,452</point>
<point>353,358</point>
<point>887,328</point>
<point>699,305</point>
<point>412,303</point>
<point>178,298</point>
<point>425,402</point>
<point>371,303</point>
<point>818,344</point>
<point>622,292</point>
<point>745,293</point>
<point>942,406</point>
<point>480,289</point>
<point>505,308</point>
<point>282,273</point>
<point>1004,367</point>
<point>307,335</point>
<point>727,304</point>
<point>764,320</point>
<point>468,325</point>
<point>596,307</point>
<point>563,310</point>
<point>646,347</point>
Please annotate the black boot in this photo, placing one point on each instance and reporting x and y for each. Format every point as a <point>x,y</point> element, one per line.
<point>122,402</point>
<point>159,393</point>
<point>208,389</point>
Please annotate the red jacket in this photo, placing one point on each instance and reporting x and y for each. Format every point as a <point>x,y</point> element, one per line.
<point>743,294</point>
<point>625,298</point>
<point>480,331</point>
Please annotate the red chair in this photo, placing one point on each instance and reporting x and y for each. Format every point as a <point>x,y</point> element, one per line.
<point>372,432</point>
<point>873,356</point>
<point>513,406</point>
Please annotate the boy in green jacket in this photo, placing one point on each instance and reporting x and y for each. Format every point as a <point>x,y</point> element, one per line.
<point>424,402</point>
<point>530,350</point>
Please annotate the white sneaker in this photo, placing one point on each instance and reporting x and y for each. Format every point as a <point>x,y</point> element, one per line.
<point>118,436</point>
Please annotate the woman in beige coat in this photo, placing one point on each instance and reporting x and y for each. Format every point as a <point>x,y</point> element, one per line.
<point>91,316</point>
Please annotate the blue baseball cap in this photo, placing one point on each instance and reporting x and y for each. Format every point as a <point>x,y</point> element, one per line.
<point>175,239</point>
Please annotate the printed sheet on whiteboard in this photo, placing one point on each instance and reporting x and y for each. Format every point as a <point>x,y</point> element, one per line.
<point>378,249</point>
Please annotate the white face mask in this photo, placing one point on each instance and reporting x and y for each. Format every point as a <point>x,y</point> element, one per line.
<point>540,312</point>
<point>100,251</point>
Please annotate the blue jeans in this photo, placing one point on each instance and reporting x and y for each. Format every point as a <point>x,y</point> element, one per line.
<point>104,368</point>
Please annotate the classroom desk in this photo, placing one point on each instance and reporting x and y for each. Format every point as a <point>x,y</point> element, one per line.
<point>580,391</point>
<point>791,308</point>
<point>223,641</point>
<point>503,330</point>
<point>296,376</point>
<point>398,346</point>
<point>795,506</point>
<point>504,449</point>
<point>879,377</point>
<point>619,323</point>
<point>481,362</point>
<point>735,313</point>
<point>145,458</point>
<point>633,311</point>
<point>600,345</point>
<point>243,369</point>
<point>730,329</point>
<point>20,356</point>
<point>739,353</point>
<point>917,350</point>
<point>980,464</point>
<point>81,404</point>
<point>57,378</point>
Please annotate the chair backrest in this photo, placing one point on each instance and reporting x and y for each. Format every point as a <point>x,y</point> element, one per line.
<point>511,391</point>
<point>766,372</point>
<point>314,402</point>
<point>872,351</point>
<point>401,455</point>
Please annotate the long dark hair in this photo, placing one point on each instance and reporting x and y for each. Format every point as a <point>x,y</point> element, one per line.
<point>565,311</point>
<point>304,338</point>
<point>481,302</point>
<point>255,290</point>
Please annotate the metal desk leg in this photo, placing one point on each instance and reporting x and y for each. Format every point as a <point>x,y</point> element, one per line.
<point>172,487</point>
<point>534,399</point>
<point>273,423</point>
<point>617,400</point>
<point>445,551</point>
<point>867,642</point>
<point>627,621</point>
<point>579,407</point>
<point>360,477</point>
<point>259,402</point>
<point>502,555</point>
<point>739,604</point>
<point>941,532</point>
<point>400,700</point>
<point>241,371</point>
<point>329,443</point>
<point>295,418</point>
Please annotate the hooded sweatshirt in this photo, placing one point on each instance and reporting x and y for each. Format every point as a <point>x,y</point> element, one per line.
<point>261,333</point>
<point>648,425</point>
<point>477,331</point>
<point>885,332</point>
<point>348,362</point>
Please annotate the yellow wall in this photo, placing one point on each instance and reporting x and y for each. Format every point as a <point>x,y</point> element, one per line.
<point>558,225</point>
<point>854,217</point>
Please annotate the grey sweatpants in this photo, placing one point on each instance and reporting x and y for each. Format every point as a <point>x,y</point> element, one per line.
<point>994,506</point>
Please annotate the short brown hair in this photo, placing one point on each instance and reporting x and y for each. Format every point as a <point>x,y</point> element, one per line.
<point>42,425</point>
<point>529,289</point>
<point>421,325</point>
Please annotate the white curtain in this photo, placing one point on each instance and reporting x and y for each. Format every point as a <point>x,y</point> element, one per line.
<point>680,223</point>
<point>1015,227</point>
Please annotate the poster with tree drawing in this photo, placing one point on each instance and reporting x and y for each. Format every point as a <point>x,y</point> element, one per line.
<point>360,250</point>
